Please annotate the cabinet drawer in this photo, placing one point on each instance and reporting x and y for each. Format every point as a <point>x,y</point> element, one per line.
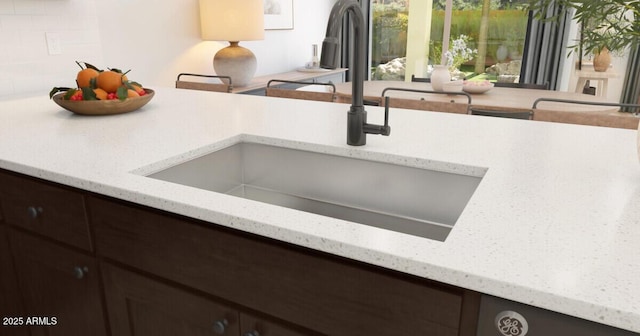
<point>45,208</point>
<point>327,294</point>
<point>141,306</point>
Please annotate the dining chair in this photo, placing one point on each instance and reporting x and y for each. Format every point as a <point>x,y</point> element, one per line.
<point>617,115</point>
<point>289,89</point>
<point>420,79</point>
<point>544,86</point>
<point>495,111</point>
<point>224,86</point>
<point>423,103</point>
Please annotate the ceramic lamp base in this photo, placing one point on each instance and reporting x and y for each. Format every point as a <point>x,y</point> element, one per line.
<point>237,62</point>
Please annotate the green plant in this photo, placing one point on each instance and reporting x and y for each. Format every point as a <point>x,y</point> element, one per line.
<point>390,24</point>
<point>610,23</point>
<point>503,25</point>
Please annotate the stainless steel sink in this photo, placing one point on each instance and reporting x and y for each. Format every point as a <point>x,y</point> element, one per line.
<point>415,201</point>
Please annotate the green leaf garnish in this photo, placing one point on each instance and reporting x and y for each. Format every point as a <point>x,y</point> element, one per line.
<point>122,93</point>
<point>88,94</point>
<point>56,90</point>
<point>69,94</point>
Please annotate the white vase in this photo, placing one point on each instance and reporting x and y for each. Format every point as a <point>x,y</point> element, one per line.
<point>439,76</point>
<point>502,53</point>
<point>638,141</point>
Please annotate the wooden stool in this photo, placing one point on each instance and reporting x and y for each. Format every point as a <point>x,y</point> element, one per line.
<point>601,77</point>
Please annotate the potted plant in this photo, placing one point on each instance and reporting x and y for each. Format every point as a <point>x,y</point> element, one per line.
<point>608,26</point>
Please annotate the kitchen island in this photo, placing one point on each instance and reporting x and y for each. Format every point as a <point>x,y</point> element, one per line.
<point>554,223</point>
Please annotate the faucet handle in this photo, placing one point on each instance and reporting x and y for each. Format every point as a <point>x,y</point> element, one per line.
<point>380,129</point>
<point>386,129</point>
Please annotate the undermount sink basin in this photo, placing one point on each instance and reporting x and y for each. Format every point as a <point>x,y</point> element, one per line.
<point>415,201</point>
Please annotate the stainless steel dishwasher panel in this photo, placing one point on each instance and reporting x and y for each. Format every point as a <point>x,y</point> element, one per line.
<point>500,317</point>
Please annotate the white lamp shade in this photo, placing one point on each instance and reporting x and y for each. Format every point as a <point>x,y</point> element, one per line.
<point>232,20</point>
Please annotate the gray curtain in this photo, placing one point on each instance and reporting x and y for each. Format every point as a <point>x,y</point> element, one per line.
<point>631,89</point>
<point>545,46</point>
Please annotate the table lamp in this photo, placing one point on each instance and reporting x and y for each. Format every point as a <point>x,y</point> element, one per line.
<point>233,21</point>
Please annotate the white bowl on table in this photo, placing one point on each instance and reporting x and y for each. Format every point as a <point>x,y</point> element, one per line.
<point>476,87</point>
<point>453,86</point>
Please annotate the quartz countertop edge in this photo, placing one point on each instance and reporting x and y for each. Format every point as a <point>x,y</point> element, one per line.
<point>554,222</point>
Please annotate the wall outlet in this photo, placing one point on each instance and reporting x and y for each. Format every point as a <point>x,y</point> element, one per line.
<point>54,45</point>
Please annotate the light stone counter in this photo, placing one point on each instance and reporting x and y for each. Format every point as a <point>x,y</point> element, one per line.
<point>555,223</point>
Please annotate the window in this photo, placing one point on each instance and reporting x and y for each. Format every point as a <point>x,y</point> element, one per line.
<point>487,38</point>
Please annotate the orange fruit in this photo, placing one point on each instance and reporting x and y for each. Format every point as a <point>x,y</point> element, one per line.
<point>83,79</point>
<point>132,94</point>
<point>110,81</point>
<point>101,94</point>
<point>138,89</point>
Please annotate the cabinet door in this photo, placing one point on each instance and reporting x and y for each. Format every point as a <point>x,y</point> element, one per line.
<point>59,287</point>
<point>252,325</point>
<point>139,306</point>
<point>305,288</point>
<point>45,208</point>
<point>9,299</point>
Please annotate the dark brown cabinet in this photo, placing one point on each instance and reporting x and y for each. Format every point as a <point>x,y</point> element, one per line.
<point>92,265</point>
<point>58,286</point>
<point>48,247</point>
<point>141,306</point>
<point>252,325</point>
<point>318,292</point>
<point>10,306</point>
<point>45,209</point>
<point>138,305</point>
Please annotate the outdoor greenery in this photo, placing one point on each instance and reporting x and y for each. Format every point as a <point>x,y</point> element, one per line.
<point>612,24</point>
<point>477,4</point>
<point>507,26</point>
<point>390,23</point>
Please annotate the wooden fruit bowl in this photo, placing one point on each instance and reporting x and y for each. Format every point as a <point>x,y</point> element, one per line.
<point>103,107</point>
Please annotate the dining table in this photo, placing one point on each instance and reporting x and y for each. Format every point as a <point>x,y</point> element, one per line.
<point>503,98</point>
<point>506,99</point>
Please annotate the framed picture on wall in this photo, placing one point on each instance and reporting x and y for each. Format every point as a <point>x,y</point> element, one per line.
<point>278,14</point>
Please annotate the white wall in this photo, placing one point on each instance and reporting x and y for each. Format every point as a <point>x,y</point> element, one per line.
<point>158,40</point>
<point>155,39</point>
<point>25,64</point>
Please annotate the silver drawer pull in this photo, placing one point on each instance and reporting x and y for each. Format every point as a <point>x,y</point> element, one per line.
<point>80,272</point>
<point>34,211</point>
<point>219,327</point>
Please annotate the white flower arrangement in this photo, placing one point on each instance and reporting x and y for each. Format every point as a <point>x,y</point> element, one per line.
<point>459,53</point>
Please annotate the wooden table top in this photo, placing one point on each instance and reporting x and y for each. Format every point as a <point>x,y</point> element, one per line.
<point>498,97</point>
<point>301,74</point>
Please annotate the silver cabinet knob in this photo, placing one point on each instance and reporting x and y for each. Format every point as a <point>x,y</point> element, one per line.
<point>34,211</point>
<point>80,272</point>
<point>252,333</point>
<point>219,327</point>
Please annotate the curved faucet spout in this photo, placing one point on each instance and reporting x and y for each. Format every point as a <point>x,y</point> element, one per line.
<point>357,127</point>
<point>331,45</point>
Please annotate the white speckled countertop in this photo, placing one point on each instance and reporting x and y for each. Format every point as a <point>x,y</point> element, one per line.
<point>555,223</point>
